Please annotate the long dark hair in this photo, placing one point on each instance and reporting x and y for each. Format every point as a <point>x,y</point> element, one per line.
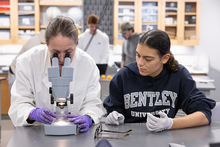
<point>159,40</point>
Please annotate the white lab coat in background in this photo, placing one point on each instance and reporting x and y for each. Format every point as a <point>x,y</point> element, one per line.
<point>98,48</point>
<point>31,88</point>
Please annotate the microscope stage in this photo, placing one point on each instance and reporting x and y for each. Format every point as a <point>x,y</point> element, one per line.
<point>61,128</point>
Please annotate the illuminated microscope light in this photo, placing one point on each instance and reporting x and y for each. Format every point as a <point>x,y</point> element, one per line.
<point>61,123</point>
<point>61,104</point>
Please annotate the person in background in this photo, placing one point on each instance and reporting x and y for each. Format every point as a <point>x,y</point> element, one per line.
<point>98,48</point>
<point>154,88</point>
<point>129,44</point>
<point>30,97</point>
<point>33,41</point>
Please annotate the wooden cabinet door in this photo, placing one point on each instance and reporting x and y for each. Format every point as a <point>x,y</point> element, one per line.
<point>124,11</point>
<point>171,20</point>
<point>5,95</point>
<point>179,18</point>
<point>190,22</point>
<point>181,21</point>
<point>25,20</point>
<point>7,30</point>
<point>149,13</point>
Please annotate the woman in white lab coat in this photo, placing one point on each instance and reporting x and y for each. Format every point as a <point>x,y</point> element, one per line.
<point>30,98</point>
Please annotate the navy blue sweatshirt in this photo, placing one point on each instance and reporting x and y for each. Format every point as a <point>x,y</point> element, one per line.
<point>133,95</point>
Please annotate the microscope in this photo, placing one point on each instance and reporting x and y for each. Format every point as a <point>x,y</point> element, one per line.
<point>60,95</point>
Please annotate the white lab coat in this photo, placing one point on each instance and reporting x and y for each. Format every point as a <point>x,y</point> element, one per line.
<point>31,88</point>
<point>98,48</point>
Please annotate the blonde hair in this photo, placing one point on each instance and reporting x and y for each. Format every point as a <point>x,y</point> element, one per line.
<point>61,25</point>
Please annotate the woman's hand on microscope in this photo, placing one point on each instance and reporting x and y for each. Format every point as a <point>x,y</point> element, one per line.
<point>84,122</point>
<point>43,115</point>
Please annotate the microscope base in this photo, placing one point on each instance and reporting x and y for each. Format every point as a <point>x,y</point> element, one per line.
<point>58,129</point>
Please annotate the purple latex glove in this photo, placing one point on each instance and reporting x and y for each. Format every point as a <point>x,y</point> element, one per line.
<point>43,115</point>
<point>84,122</point>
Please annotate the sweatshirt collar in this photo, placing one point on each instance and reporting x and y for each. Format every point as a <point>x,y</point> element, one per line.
<point>134,68</point>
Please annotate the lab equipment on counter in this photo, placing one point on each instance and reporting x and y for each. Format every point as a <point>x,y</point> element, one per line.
<point>60,95</point>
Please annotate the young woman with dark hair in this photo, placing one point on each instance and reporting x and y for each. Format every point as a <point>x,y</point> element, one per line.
<point>154,88</point>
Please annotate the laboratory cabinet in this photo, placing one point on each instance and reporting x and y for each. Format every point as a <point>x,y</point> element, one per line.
<point>5,95</point>
<point>22,19</point>
<point>179,18</point>
<point>6,31</point>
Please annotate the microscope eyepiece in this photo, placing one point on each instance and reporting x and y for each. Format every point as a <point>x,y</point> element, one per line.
<point>68,55</point>
<point>55,55</point>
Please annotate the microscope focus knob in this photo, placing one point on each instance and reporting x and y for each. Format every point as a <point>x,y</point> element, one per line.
<point>50,90</point>
<point>51,99</point>
<point>71,98</point>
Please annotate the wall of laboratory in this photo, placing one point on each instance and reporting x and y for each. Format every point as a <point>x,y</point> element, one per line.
<point>209,40</point>
<point>209,34</point>
<point>209,43</point>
